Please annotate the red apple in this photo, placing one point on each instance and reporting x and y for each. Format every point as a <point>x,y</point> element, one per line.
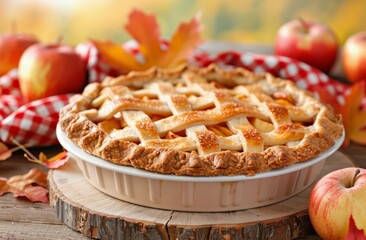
<point>354,57</point>
<point>50,69</point>
<point>12,46</point>
<point>334,199</point>
<point>308,41</point>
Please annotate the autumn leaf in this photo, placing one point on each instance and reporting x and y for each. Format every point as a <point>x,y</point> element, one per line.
<point>5,152</point>
<point>353,232</point>
<point>117,57</point>
<point>354,116</point>
<point>31,185</point>
<point>183,42</point>
<point>54,162</point>
<point>144,29</point>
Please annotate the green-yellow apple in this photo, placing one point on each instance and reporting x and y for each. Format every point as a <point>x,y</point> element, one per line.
<point>50,69</point>
<point>308,41</point>
<point>12,46</point>
<point>354,57</point>
<point>334,199</point>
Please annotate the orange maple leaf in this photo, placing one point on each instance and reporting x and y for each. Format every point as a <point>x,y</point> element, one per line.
<point>354,117</point>
<point>32,185</point>
<point>182,44</point>
<point>144,29</point>
<point>117,57</point>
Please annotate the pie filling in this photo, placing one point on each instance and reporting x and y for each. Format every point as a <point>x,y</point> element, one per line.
<point>210,120</point>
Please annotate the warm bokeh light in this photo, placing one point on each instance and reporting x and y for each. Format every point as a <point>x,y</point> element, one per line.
<point>253,21</point>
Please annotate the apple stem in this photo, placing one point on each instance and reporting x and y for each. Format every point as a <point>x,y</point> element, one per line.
<point>355,177</point>
<point>304,24</point>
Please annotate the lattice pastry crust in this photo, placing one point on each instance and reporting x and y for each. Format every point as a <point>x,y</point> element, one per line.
<point>200,121</point>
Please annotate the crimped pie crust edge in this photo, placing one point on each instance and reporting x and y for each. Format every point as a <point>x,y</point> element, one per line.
<point>87,135</point>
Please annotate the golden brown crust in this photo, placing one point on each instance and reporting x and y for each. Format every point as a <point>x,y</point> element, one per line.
<point>307,123</point>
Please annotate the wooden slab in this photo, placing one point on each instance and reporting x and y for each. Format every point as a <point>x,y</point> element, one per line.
<point>94,214</point>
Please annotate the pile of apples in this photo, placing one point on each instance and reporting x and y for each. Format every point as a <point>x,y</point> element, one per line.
<point>43,69</point>
<point>338,200</point>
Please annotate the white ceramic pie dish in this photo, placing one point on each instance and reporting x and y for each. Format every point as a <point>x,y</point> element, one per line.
<point>196,194</point>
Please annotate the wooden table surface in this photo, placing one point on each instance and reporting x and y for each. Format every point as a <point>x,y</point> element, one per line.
<point>21,219</point>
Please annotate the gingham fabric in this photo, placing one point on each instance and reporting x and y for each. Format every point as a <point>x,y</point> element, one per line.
<point>34,123</point>
<point>9,84</point>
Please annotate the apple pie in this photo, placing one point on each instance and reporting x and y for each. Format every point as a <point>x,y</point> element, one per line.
<point>200,121</point>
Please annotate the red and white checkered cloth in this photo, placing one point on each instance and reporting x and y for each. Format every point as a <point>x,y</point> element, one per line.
<point>34,123</point>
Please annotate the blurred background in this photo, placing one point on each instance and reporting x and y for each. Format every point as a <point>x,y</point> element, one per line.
<point>249,21</point>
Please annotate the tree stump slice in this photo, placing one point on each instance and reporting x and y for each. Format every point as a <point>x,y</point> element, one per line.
<point>85,209</point>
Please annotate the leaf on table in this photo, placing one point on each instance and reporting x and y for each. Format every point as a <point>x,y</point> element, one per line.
<point>145,30</point>
<point>353,232</point>
<point>32,185</point>
<point>354,116</point>
<point>5,152</point>
<point>54,162</point>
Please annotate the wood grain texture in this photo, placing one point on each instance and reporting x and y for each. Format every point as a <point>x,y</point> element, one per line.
<point>37,231</point>
<point>94,214</point>
<point>21,210</point>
